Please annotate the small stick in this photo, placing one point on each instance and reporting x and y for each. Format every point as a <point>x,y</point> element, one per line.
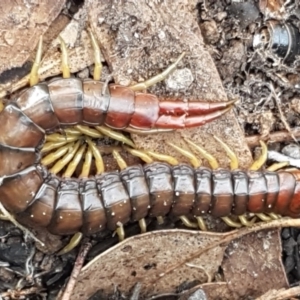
<point>281,294</point>
<point>67,293</point>
<point>275,137</point>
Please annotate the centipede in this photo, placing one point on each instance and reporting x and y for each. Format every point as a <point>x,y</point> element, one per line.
<point>66,113</point>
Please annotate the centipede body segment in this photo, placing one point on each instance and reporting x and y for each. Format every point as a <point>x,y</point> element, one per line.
<point>92,203</point>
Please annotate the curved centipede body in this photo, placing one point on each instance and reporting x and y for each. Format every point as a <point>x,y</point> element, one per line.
<point>89,205</point>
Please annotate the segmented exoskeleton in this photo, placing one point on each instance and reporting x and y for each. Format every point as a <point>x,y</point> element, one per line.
<point>110,200</point>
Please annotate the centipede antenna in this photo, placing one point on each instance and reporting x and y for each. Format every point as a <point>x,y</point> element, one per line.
<point>159,77</point>
<point>97,57</point>
<point>201,223</point>
<point>163,157</point>
<point>234,163</point>
<point>187,222</point>
<point>64,59</point>
<point>65,160</point>
<point>97,156</point>
<point>75,161</point>
<point>34,73</point>
<point>115,135</point>
<point>52,157</point>
<point>257,164</point>
<point>211,160</point>
<point>88,131</point>
<point>277,166</point>
<point>74,242</point>
<point>87,164</point>
<point>143,225</point>
<point>193,159</point>
<point>263,217</point>
<point>139,153</point>
<point>231,223</point>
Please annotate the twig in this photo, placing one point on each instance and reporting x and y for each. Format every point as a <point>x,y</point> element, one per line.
<point>279,136</point>
<point>280,294</point>
<point>67,293</point>
<point>282,117</point>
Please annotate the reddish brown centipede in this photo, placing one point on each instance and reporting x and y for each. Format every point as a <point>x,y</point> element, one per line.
<point>108,200</point>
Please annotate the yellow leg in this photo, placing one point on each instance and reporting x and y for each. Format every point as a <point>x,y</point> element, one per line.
<point>211,160</point>
<point>97,156</point>
<point>65,160</point>
<point>143,225</point>
<point>75,240</point>
<point>87,164</point>
<point>64,59</point>
<point>234,163</point>
<point>139,153</point>
<point>187,222</point>
<point>52,145</point>
<point>160,220</point>
<point>274,216</point>
<point>193,159</point>
<point>278,166</point>
<point>115,135</point>
<point>262,159</point>
<point>56,137</point>
<point>263,217</point>
<point>52,157</point>
<point>88,131</point>
<point>74,163</point>
<point>163,157</point>
<point>160,77</point>
<point>231,223</point>
<point>201,223</point>
<point>34,74</point>
<point>121,162</point>
<point>246,222</point>
<point>97,57</point>
<point>120,231</point>
<point>71,131</point>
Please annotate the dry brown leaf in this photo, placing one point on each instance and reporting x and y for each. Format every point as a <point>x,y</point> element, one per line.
<point>162,263</point>
<point>252,265</point>
<point>22,23</point>
<point>141,38</point>
<point>144,258</point>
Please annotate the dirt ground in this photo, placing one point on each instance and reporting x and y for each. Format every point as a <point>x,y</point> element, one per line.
<point>223,61</point>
